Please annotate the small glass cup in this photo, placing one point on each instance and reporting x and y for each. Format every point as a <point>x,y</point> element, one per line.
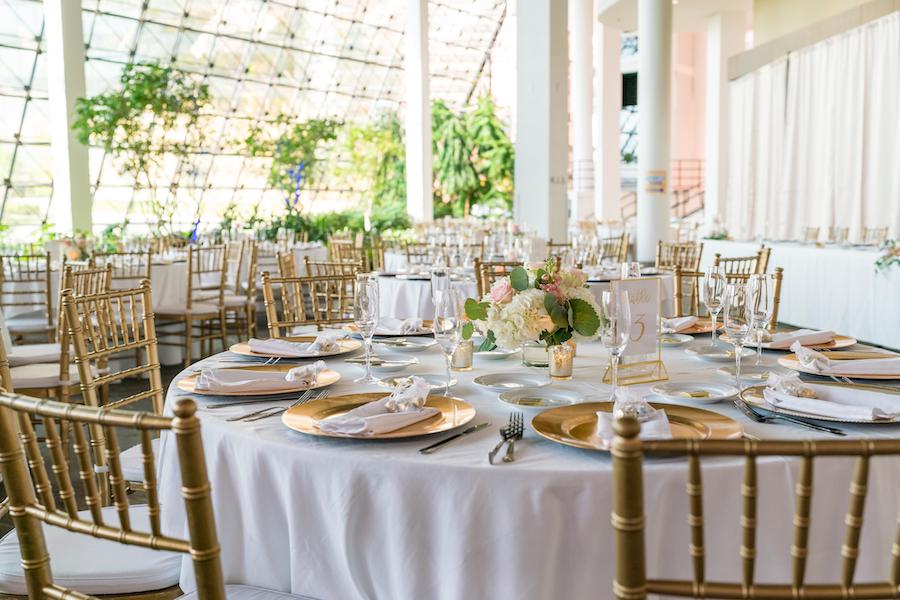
<point>534,354</point>
<point>562,356</point>
<point>462,358</point>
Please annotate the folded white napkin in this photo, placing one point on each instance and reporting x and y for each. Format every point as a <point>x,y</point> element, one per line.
<point>830,401</point>
<point>819,362</point>
<point>395,326</point>
<point>806,337</point>
<point>247,380</point>
<point>655,427</point>
<point>324,342</point>
<point>676,324</point>
<point>405,406</point>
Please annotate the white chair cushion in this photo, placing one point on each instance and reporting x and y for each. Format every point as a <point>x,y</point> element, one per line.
<point>29,354</point>
<point>132,461</point>
<point>233,300</point>
<point>248,592</point>
<point>196,309</point>
<point>41,375</point>
<point>94,566</point>
<point>28,323</point>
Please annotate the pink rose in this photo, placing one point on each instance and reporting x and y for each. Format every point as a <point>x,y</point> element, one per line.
<point>502,291</point>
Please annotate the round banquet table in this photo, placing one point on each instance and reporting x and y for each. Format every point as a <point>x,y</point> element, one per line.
<point>315,251</point>
<point>411,298</point>
<point>364,519</point>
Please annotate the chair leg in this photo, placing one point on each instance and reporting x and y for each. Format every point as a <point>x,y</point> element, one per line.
<point>223,332</point>
<point>188,340</point>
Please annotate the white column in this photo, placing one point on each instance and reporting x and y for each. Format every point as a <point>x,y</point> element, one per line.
<point>65,81</point>
<point>419,199</point>
<point>542,117</point>
<point>724,37</point>
<point>607,108</point>
<point>581,22</point>
<point>654,112</point>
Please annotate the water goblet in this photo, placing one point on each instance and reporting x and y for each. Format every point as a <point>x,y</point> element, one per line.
<point>447,325</point>
<point>365,316</point>
<point>761,297</point>
<point>737,320</point>
<point>712,293</point>
<point>615,329</point>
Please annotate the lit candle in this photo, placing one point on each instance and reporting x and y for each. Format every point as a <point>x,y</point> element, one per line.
<point>561,358</point>
<point>462,358</point>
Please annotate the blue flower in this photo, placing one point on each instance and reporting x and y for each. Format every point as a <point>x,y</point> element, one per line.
<point>195,232</point>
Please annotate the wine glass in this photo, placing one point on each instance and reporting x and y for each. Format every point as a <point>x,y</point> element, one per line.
<point>615,328</point>
<point>737,322</point>
<point>713,291</point>
<point>365,316</point>
<point>447,325</point>
<point>761,293</point>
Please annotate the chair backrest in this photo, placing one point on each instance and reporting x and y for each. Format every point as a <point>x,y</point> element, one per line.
<point>252,268</point>
<point>314,268</point>
<point>487,272</point>
<point>875,235</point>
<point>694,279</point>
<point>614,247</point>
<point>631,581</point>
<point>128,268</point>
<point>82,281</point>
<point>206,274</point>
<point>322,300</point>
<point>25,283</point>
<point>744,265</point>
<point>346,250</point>
<point>838,235</point>
<point>679,254</point>
<point>417,253</point>
<point>32,498</point>
<point>234,263</point>
<point>377,251</point>
<point>811,234</point>
<point>287,264</point>
<point>557,247</point>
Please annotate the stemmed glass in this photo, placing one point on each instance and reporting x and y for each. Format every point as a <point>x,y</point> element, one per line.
<point>761,292</point>
<point>365,316</point>
<point>737,323</point>
<point>615,328</point>
<point>713,291</point>
<point>447,325</point>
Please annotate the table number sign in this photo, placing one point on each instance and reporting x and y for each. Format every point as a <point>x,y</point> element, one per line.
<point>641,361</point>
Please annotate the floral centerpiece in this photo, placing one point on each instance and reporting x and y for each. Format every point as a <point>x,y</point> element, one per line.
<point>77,247</point>
<point>891,256</point>
<point>535,303</point>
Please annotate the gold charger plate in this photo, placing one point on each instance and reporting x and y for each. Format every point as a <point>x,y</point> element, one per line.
<point>754,396</point>
<point>326,377</point>
<point>303,418</point>
<point>576,424</point>
<point>839,341</point>
<point>790,361</point>
<point>427,325</point>
<point>346,345</point>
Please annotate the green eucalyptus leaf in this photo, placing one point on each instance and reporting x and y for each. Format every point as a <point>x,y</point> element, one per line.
<point>489,343</point>
<point>518,279</point>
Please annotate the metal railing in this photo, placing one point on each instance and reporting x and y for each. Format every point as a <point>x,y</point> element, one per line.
<point>687,190</point>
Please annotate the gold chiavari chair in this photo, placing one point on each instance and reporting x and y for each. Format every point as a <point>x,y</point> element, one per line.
<point>811,235</point>
<point>744,265</point>
<point>487,272</point>
<point>240,304</point>
<point>875,236</point>
<point>204,308</point>
<point>342,251</point>
<point>307,301</point>
<point>615,247</point>
<point>377,247</point>
<point>92,539</point>
<point>686,255</point>
<point>418,254</point>
<point>128,268</point>
<point>695,277</point>
<point>287,264</point>
<point>838,235</point>
<point>5,386</point>
<point>628,517</point>
<point>557,248</point>
<point>25,288</point>
<point>316,268</point>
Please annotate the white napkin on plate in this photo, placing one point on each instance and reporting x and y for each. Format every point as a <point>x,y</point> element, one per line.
<point>248,380</point>
<point>806,337</point>
<point>324,342</point>
<point>676,324</point>
<point>395,326</point>
<point>405,406</point>
<point>820,363</point>
<point>830,401</point>
<point>656,427</point>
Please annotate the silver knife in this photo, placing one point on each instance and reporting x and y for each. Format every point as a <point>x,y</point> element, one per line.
<point>436,445</point>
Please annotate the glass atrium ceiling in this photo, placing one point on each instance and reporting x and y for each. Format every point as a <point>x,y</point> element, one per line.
<point>340,59</point>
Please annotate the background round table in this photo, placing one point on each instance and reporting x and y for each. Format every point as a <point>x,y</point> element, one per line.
<point>358,519</point>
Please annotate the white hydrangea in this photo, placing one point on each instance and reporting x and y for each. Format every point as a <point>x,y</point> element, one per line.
<point>519,321</point>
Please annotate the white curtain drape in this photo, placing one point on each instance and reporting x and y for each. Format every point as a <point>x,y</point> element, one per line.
<point>814,138</point>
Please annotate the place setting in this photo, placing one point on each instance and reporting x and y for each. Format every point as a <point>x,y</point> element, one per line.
<point>325,344</point>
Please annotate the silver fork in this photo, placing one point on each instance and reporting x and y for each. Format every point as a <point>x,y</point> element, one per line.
<point>517,430</point>
<point>504,437</point>
<point>305,395</point>
<point>751,414</point>
<point>278,411</point>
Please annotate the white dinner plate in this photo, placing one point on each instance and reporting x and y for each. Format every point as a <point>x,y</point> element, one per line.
<point>754,373</point>
<point>416,344</point>
<point>385,362</point>
<point>703,392</point>
<point>540,398</point>
<point>502,382</point>
<point>435,380</point>
<point>495,354</point>
<point>675,339</point>
<point>717,353</point>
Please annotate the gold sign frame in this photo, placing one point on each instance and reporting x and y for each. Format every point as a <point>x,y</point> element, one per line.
<point>645,369</point>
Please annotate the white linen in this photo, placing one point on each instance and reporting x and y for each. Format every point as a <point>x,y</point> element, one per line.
<point>654,428</point>
<point>395,326</point>
<point>94,566</point>
<point>676,324</point>
<point>403,407</point>
<point>248,380</point>
<point>357,519</point>
<point>819,362</point>
<point>829,288</point>
<point>247,592</point>
<point>324,342</point>
<point>805,337</point>
<point>838,403</point>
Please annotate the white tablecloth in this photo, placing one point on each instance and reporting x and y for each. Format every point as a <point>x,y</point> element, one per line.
<point>315,253</point>
<point>353,519</point>
<point>409,298</point>
<point>830,288</point>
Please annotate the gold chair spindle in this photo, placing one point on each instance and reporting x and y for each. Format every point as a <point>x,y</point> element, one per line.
<point>748,517</point>
<point>854,519</point>
<point>803,494</point>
